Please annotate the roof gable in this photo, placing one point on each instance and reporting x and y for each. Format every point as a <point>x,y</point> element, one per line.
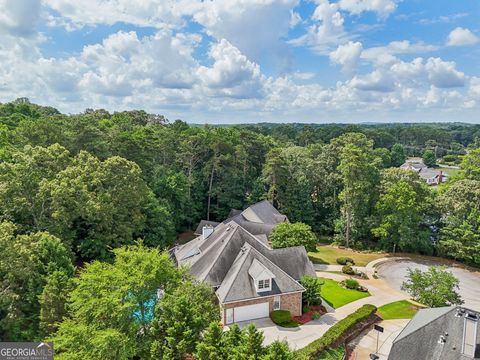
<point>238,285</point>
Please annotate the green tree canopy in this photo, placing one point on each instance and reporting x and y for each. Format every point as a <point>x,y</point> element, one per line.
<point>181,317</point>
<point>296,234</point>
<point>116,301</point>
<point>429,158</point>
<point>435,287</point>
<point>26,264</point>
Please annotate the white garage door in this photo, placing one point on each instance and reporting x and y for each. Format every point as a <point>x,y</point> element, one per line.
<point>251,312</point>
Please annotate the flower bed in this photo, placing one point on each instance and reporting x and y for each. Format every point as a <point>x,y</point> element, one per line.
<point>308,316</point>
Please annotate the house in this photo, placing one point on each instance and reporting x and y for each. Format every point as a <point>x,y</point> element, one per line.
<point>446,333</point>
<point>250,278</point>
<point>430,175</point>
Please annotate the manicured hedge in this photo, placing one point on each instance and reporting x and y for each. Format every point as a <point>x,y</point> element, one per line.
<point>336,332</point>
<point>344,260</point>
<point>283,318</point>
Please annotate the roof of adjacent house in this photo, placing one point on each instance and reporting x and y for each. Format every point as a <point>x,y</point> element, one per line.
<point>421,338</point>
<point>423,170</point>
<point>202,224</point>
<point>217,259</point>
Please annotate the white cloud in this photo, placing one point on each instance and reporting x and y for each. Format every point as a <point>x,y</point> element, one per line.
<point>460,37</point>
<point>19,17</point>
<point>378,80</point>
<point>156,13</point>
<point>386,54</point>
<point>443,74</point>
<point>232,74</point>
<point>382,7</point>
<point>327,32</point>
<point>347,55</point>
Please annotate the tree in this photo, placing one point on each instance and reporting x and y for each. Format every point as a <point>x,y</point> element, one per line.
<point>180,319</point>
<point>278,350</point>
<point>296,234</point>
<point>397,155</point>
<point>288,175</point>
<point>359,173</point>
<point>210,348</point>
<point>311,295</point>
<point>429,158</point>
<point>471,165</point>
<point>26,264</point>
<point>252,347</point>
<point>116,301</point>
<point>460,234</point>
<point>403,207</point>
<point>435,287</point>
<point>53,301</point>
<point>97,205</point>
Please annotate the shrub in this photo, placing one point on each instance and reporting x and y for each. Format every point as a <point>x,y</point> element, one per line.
<point>336,332</point>
<point>311,295</point>
<point>316,315</point>
<point>347,269</point>
<point>345,261</point>
<point>283,318</point>
<point>305,308</point>
<point>351,284</point>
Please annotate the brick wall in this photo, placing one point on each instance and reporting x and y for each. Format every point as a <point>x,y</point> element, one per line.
<point>291,302</point>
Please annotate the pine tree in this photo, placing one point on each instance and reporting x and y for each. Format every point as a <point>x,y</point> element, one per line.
<point>278,350</point>
<point>210,347</point>
<point>253,343</point>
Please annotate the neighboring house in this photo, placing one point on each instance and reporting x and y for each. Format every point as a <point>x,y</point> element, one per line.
<point>446,333</point>
<point>250,278</point>
<point>430,175</point>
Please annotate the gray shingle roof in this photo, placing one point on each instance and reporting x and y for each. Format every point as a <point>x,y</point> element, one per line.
<point>210,259</point>
<point>238,285</point>
<point>419,340</point>
<point>202,223</point>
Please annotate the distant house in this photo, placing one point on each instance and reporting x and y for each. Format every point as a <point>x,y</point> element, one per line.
<point>446,333</point>
<point>250,278</point>
<point>430,175</point>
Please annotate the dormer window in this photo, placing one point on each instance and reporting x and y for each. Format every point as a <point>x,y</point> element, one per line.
<point>264,284</point>
<point>262,277</point>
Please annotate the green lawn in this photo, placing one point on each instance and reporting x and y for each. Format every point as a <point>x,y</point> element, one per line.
<point>328,254</point>
<point>403,309</point>
<point>332,354</point>
<point>337,296</point>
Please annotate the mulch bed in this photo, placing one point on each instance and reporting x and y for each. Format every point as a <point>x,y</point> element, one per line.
<point>308,316</point>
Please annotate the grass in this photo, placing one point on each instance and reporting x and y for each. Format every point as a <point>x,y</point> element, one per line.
<point>402,309</point>
<point>332,354</point>
<point>337,296</point>
<point>328,254</point>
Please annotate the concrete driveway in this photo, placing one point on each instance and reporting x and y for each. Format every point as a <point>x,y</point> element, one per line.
<point>303,335</point>
<point>366,343</point>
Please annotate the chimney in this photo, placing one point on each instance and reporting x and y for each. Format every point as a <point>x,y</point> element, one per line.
<point>470,327</point>
<point>207,230</point>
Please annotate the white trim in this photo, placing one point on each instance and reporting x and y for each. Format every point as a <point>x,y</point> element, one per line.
<point>262,297</point>
<point>279,301</point>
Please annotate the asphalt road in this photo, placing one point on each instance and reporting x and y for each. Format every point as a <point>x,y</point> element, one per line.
<point>394,274</point>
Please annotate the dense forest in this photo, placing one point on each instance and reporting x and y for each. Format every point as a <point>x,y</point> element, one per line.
<point>75,187</point>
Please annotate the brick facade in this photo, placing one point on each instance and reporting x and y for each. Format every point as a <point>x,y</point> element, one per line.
<point>291,302</point>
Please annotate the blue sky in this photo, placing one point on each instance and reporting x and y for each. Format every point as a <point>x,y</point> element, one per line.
<point>236,61</point>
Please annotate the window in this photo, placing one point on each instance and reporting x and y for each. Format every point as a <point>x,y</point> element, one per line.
<point>264,284</point>
<point>276,303</point>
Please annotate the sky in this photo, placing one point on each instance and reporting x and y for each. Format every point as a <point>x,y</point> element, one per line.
<point>247,61</point>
